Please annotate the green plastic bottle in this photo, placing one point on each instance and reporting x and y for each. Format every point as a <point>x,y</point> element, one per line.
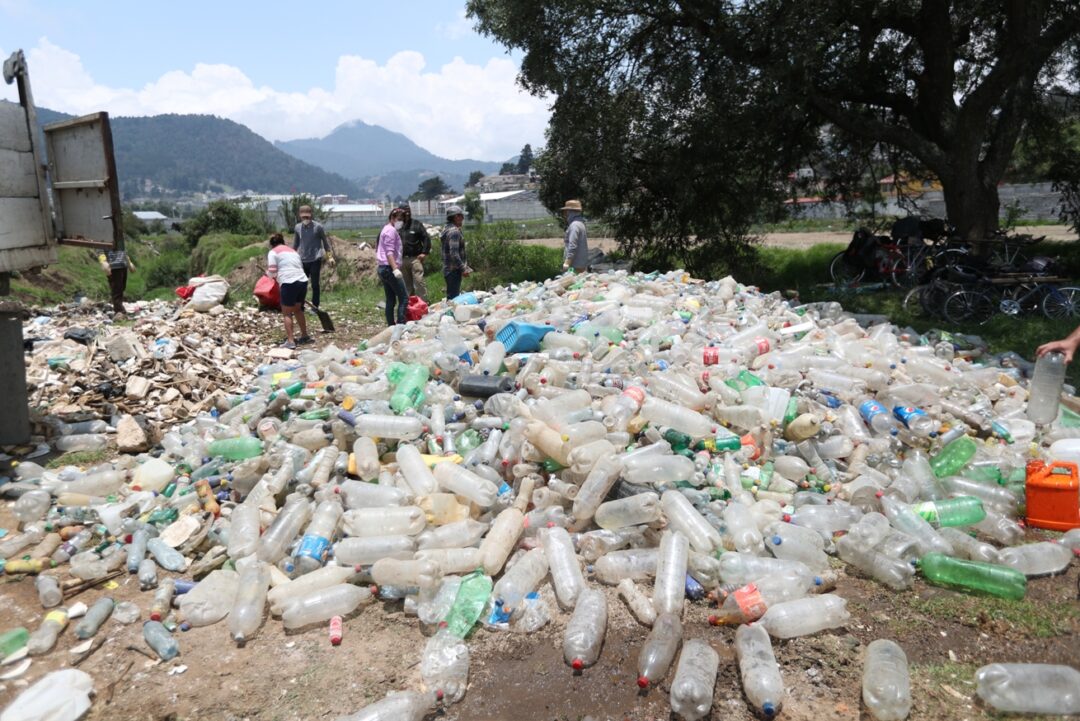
<point>953,457</point>
<point>472,596</point>
<point>983,578</point>
<point>319,414</point>
<point>677,439</point>
<point>236,449</point>
<point>292,390</point>
<point>11,641</point>
<point>409,381</point>
<point>959,511</point>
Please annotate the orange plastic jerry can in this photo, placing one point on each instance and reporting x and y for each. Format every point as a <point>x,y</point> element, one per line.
<point>1053,495</point>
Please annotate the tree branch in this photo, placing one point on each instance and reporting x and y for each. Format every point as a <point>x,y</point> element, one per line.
<point>872,129</point>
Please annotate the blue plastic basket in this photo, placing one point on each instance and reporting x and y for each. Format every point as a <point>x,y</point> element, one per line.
<point>520,337</point>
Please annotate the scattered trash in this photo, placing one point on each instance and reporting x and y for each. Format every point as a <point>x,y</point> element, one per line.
<point>681,441</point>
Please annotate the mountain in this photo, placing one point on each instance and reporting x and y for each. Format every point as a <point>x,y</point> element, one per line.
<point>380,158</point>
<point>188,153</point>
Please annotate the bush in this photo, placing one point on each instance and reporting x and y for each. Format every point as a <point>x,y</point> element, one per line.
<point>497,258</point>
<point>219,253</point>
<point>169,268</point>
<point>222,216</point>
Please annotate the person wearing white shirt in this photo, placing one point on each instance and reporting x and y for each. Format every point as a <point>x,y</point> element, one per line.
<point>284,265</point>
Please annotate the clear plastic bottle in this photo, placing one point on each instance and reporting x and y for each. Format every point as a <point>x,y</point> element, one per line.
<point>44,638</point>
<point>1001,529</point>
<point>459,534</point>
<point>415,471</point>
<point>805,616</point>
<point>32,506</point>
<point>671,563</point>
<point>904,519</point>
<point>695,677</point>
<point>741,529</point>
<point>762,683</point>
<point>659,649</point>
<point>95,616</point>
<point>366,550</point>
<point>467,484</point>
<point>163,599</point>
<point>158,638</point>
<point>683,517</point>
<point>406,573</point>
<point>247,610</point>
<point>1034,688</point>
<point>968,547</point>
<point>167,557</point>
<point>48,589</point>
<point>794,543</point>
<point>283,595</point>
<point>595,488</point>
<point>1037,559</point>
<point>404,428</point>
<point>992,496</point>
<point>243,531</point>
<point>147,574</point>
<point>563,563</point>
<point>521,579</point>
<point>886,683</point>
<point>639,604</point>
<point>584,635</point>
<point>444,666</point>
<point>633,510</point>
<point>398,706</point>
<point>322,604</point>
<point>1044,392</point>
<point>319,534</point>
<point>749,602</point>
<point>892,572</point>
<point>742,568</point>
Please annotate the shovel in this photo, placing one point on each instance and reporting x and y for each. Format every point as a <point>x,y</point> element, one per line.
<point>324,317</point>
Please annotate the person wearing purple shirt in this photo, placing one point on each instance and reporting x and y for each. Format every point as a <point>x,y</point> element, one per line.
<point>388,257</point>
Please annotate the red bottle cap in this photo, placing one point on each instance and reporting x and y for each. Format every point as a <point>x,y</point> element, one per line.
<point>642,682</point>
<point>577,664</point>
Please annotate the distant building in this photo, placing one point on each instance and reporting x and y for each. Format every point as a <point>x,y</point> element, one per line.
<point>355,215</point>
<point>506,205</point>
<point>149,216</point>
<point>498,183</point>
<point>332,200</point>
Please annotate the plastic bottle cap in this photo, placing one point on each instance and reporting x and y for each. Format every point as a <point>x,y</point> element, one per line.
<point>879,494</point>
<point>777,540</point>
<point>439,695</point>
<point>577,664</point>
<point>787,518</point>
<point>768,708</point>
<point>714,620</point>
<point>642,682</point>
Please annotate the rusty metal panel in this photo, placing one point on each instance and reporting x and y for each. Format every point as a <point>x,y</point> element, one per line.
<point>82,171</point>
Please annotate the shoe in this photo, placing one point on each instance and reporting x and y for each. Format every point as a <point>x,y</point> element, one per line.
<point>304,340</point>
<point>288,344</point>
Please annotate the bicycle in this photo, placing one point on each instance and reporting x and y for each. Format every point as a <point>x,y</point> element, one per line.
<point>1016,298</point>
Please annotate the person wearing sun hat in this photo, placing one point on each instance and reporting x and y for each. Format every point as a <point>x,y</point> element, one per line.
<point>576,241</point>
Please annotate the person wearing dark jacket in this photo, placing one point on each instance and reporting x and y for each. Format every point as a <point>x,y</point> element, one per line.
<point>416,244</point>
<point>453,251</point>
<point>310,241</point>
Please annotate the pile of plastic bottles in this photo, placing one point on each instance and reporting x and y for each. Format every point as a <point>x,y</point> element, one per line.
<point>670,439</point>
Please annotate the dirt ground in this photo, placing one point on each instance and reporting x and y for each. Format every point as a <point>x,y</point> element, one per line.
<point>806,240</point>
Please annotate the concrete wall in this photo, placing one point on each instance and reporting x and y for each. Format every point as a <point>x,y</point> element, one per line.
<point>1036,201</point>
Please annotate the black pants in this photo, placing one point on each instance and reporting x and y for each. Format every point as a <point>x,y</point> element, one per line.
<point>312,271</point>
<point>394,288</point>
<point>117,283</point>
<point>453,283</point>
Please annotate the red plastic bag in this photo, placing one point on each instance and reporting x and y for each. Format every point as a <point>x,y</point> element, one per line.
<point>268,292</point>
<point>185,291</point>
<point>416,309</point>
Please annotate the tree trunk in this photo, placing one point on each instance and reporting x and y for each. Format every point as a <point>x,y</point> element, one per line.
<point>971,204</point>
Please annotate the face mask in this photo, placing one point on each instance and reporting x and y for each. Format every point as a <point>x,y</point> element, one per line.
<point>306,221</point>
<point>398,224</point>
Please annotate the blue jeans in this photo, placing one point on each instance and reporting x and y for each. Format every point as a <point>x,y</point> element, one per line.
<point>453,283</point>
<point>395,295</point>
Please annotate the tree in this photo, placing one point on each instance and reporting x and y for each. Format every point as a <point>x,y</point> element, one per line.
<point>473,206</point>
<point>289,211</point>
<point>430,189</point>
<point>508,168</point>
<point>224,217</point>
<point>525,160</point>
<point>948,84</point>
<point>474,178</point>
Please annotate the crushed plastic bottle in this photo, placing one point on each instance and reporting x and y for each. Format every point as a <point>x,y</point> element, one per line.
<point>886,683</point>
<point>1034,688</point>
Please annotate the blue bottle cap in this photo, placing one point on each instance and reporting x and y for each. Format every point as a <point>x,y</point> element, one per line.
<point>777,540</point>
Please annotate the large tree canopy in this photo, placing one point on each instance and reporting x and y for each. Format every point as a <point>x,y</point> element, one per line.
<point>681,118</point>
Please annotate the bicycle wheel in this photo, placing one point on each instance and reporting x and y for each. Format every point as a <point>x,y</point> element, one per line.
<point>912,303</point>
<point>843,271</point>
<point>932,299</point>
<point>969,306</point>
<point>1062,303</point>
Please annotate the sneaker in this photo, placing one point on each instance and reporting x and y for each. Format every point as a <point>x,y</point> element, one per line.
<point>288,344</point>
<point>304,340</point>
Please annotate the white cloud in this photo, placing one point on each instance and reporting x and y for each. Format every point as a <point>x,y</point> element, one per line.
<point>457,28</point>
<point>472,111</point>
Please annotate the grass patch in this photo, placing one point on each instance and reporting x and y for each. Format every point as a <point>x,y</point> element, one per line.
<point>79,458</point>
<point>220,253</point>
<point>1029,617</point>
<point>948,673</point>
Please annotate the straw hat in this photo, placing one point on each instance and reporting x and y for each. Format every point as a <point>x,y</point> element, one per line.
<point>572,205</point>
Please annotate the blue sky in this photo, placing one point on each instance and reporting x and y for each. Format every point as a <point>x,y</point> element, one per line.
<point>416,67</point>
